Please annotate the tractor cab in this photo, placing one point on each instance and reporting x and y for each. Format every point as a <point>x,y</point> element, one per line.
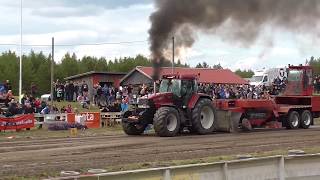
<point>299,82</point>
<point>182,87</point>
<point>178,85</point>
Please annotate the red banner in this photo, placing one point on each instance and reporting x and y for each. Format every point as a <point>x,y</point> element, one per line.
<point>17,122</point>
<point>92,119</point>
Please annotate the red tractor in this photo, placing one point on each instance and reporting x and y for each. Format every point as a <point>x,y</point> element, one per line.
<point>177,105</point>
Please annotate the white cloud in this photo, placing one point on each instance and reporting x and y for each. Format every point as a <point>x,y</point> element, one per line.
<point>247,63</point>
<point>121,24</point>
<point>62,12</point>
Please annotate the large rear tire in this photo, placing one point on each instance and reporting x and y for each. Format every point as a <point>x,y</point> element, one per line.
<point>293,120</point>
<point>166,122</point>
<point>306,119</point>
<point>203,117</point>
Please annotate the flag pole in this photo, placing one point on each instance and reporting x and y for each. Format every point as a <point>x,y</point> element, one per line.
<point>20,63</point>
<point>52,64</point>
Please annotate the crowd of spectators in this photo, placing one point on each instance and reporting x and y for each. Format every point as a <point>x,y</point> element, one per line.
<point>10,106</point>
<point>106,97</point>
<point>72,91</point>
<point>111,99</point>
<point>316,83</point>
<point>229,91</point>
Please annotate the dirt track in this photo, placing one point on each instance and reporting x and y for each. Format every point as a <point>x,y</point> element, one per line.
<point>37,156</point>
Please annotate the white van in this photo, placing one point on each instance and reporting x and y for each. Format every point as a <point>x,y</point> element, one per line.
<point>266,77</point>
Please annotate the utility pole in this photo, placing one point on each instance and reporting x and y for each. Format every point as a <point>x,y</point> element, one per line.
<point>172,54</point>
<point>20,62</point>
<point>52,64</point>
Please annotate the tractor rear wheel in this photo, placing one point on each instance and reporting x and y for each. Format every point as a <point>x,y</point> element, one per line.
<point>166,122</point>
<point>306,119</point>
<point>293,120</point>
<point>203,117</point>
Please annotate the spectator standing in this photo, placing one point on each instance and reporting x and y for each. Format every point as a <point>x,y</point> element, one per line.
<point>59,93</point>
<point>99,94</point>
<point>106,93</point>
<point>125,104</point>
<point>84,88</point>
<point>112,95</point>
<point>67,90</point>
<point>94,94</point>
<point>76,90</point>
<point>72,91</point>
<point>7,86</point>
<point>37,105</point>
<point>33,89</point>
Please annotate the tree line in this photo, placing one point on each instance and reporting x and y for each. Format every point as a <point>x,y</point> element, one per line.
<point>36,67</point>
<point>315,64</point>
<point>242,73</point>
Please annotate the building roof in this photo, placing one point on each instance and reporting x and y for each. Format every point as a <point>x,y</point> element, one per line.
<point>93,72</point>
<point>206,75</point>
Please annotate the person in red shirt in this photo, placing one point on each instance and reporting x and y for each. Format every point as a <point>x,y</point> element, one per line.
<point>37,105</point>
<point>69,109</point>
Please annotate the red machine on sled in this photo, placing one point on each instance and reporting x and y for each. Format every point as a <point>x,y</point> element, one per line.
<point>178,106</point>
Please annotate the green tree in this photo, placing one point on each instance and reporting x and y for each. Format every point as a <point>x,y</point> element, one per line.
<point>244,73</point>
<point>315,64</point>
<point>199,65</point>
<point>217,66</point>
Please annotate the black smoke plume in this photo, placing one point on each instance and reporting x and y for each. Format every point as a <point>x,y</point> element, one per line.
<point>245,19</point>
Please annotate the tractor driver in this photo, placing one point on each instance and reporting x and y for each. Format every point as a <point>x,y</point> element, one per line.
<point>186,92</point>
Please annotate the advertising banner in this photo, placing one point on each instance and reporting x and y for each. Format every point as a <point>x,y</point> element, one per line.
<point>22,121</point>
<point>91,119</point>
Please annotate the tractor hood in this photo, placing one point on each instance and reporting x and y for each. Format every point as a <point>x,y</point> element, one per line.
<point>160,99</point>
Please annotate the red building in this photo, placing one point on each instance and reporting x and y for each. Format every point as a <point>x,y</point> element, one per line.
<point>93,77</point>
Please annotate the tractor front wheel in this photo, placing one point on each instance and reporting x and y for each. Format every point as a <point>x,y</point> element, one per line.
<point>203,117</point>
<point>166,122</point>
<point>133,129</point>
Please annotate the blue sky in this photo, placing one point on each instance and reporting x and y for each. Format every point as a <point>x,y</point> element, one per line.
<point>91,21</point>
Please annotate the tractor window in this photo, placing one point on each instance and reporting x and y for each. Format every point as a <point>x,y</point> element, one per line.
<point>195,86</point>
<point>171,85</point>
<point>186,87</point>
<point>295,75</point>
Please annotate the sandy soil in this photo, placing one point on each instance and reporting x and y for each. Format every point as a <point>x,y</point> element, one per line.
<point>33,157</point>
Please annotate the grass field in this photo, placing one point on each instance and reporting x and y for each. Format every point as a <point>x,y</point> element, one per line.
<point>92,108</point>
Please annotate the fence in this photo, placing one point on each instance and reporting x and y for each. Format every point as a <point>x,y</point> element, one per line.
<point>93,119</point>
<point>271,168</point>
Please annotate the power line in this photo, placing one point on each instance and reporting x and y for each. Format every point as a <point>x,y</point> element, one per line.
<point>80,44</point>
